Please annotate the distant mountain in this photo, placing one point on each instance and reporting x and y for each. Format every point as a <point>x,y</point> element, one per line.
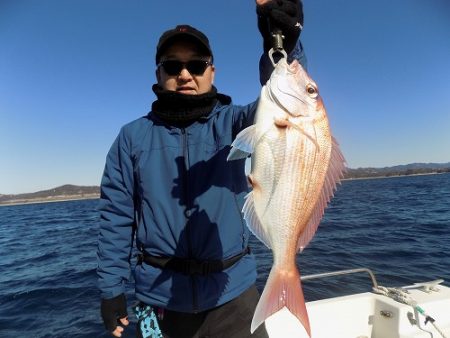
<point>64,192</point>
<point>72,192</point>
<point>422,165</point>
<point>399,170</point>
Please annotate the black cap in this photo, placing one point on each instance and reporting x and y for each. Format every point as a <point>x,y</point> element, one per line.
<point>182,31</point>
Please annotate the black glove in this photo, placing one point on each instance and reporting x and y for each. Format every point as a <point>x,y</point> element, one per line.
<point>112,310</point>
<point>286,15</point>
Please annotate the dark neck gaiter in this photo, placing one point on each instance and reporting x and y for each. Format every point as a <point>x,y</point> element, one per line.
<point>177,108</point>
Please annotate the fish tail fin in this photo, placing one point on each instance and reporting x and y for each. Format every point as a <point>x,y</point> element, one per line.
<point>283,289</point>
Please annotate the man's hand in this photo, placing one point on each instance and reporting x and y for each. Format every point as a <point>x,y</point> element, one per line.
<point>114,312</point>
<point>286,15</point>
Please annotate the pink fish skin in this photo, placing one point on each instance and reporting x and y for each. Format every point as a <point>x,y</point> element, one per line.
<point>296,165</point>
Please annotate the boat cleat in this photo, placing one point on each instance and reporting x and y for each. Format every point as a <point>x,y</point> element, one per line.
<point>429,287</point>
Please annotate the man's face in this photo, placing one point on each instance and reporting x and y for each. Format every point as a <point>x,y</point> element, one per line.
<point>185,82</point>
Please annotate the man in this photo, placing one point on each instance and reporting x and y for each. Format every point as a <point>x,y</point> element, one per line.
<point>167,185</point>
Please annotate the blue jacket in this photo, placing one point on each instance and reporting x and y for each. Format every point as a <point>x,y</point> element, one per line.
<point>175,187</point>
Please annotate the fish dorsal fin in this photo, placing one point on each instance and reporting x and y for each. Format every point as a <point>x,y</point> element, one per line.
<point>243,145</point>
<point>335,172</point>
<point>252,220</point>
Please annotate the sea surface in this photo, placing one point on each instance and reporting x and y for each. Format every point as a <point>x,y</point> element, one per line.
<point>398,227</point>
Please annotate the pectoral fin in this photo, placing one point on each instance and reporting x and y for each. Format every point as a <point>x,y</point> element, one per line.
<point>243,145</point>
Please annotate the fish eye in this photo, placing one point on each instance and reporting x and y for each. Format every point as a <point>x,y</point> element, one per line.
<point>312,90</point>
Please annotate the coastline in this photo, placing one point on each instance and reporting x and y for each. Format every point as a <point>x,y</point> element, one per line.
<point>64,198</point>
<point>391,176</point>
<point>77,197</point>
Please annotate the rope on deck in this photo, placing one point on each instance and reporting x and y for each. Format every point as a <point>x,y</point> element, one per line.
<point>403,296</point>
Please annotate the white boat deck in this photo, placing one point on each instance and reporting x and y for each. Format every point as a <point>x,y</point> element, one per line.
<point>368,315</point>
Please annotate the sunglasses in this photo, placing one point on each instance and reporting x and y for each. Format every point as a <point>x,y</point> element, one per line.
<point>194,67</point>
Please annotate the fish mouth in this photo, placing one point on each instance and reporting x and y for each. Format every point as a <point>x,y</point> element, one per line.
<point>293,66</point>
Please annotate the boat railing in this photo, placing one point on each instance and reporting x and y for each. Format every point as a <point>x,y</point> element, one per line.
<point>342,272</point>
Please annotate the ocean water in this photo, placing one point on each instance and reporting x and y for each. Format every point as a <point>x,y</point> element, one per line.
<point>398,227</point>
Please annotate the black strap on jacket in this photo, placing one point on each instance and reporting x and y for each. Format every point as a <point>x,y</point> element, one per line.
<point>190,266</point>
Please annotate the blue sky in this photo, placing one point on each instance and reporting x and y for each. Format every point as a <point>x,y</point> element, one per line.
<point>72,72</point>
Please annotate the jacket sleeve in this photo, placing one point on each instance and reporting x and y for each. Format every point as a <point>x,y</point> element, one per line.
<point>116,219</point>
<point>245,116</point>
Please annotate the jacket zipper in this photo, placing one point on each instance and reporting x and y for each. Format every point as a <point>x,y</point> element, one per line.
<point>241,217</point>
<point>243,225</point>
<point>188,214</point>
